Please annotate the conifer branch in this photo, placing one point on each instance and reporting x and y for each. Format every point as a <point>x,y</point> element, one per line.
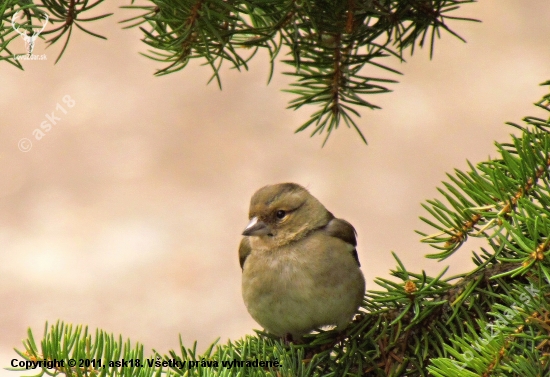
<point>329,43</point>
<point>480,198</point>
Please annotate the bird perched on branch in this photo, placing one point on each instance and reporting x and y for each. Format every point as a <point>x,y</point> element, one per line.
<point>299,262</point>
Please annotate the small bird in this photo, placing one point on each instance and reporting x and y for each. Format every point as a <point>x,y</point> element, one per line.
<point>299,263</point>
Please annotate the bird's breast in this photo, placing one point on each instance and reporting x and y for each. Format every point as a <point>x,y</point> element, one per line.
<point>275,271</point>
<point>296,288</point>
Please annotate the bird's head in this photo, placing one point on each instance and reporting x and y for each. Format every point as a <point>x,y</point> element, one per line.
<point>284,212</point>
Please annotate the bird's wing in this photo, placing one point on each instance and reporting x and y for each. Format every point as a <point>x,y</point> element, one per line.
<point>244,250</point>
<point>343,230</point>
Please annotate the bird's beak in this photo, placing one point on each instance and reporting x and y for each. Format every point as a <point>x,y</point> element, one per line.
<point>256,228</point>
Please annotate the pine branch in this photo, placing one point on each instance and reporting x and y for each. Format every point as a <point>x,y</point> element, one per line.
<point>330,43</point>
<point>490,198</point>
<point>404,327</point>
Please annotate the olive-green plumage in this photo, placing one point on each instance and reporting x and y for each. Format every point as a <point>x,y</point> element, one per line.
<point>300,265</point>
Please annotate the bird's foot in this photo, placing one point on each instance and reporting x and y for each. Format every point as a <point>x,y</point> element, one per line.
<point>287,338</point>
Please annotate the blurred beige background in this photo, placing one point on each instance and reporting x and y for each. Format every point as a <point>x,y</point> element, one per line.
<point>127,215</point>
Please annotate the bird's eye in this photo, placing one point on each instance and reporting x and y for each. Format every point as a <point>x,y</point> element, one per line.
<point>280,214</point>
